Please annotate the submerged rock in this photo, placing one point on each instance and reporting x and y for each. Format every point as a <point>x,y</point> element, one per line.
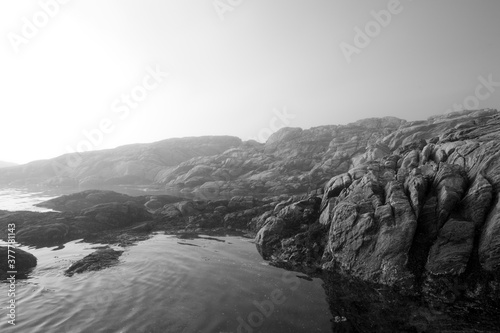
<point>96,261</point>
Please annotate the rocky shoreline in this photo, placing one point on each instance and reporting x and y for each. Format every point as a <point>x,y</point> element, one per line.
<point>405,214</point>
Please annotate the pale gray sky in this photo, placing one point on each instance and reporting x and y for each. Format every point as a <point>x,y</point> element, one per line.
<point>232,75</point>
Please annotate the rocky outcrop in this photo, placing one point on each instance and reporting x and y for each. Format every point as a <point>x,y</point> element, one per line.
<point>292,161</point>
<point>96,261</point>
<point>86,199</point>
<point>56,228</point>
<point>23,262</point>
<point>112,217</point>
<point>421,216</point>
<point>371,233</point>
<point>285,223</point>
<point>411,206</point>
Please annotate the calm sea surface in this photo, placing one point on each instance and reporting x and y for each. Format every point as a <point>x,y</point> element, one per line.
<point>163,284</point>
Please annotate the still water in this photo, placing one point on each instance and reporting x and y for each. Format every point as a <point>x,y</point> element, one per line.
<point>23,199</point>
<point>165,284</point>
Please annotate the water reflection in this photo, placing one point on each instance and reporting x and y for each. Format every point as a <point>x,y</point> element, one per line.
<point>160,286</point>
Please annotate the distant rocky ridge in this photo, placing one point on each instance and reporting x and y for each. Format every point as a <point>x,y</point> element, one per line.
<point>136,164</point>
<point>292,161</point>
<point>412,206</point>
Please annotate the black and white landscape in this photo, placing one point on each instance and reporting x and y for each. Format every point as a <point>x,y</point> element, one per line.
<point>236,166</point>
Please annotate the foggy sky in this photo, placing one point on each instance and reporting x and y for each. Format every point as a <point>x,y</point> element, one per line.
<point>233,67</point>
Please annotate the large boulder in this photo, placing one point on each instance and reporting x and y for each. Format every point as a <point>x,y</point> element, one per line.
<point>286,223</point>
<point>24,262</point>
<point>372,240</point>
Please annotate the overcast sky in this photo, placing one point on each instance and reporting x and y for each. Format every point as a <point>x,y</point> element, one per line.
<point>128,71</point>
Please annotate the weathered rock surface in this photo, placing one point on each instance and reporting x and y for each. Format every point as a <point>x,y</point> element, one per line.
<point>287,222</point>
<point>24,262</point>
<point>452,249</point>
<point>489,244</point>
<point>420,215</point>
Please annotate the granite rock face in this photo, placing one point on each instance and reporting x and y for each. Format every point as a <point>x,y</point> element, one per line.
<point>450,253</point>
<point>287,222</point>
<point>421,214</point>
<point>371,230</point>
